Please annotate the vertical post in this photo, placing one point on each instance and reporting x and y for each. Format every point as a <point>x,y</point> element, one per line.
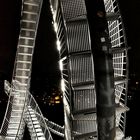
<point>103,69</point>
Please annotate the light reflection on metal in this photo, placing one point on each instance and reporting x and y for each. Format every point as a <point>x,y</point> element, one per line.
<point>55,27</point>
<point>58,45</point>
<point>52,9</point>
<point>61,65</point>
<point>63,85</point>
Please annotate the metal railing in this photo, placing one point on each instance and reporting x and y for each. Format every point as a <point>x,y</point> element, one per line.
<point>33,107</point>
<point>120,61</point>
<point>13,94</point>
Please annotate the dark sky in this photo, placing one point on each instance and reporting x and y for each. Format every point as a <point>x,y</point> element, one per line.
<point>45,62</point>
<point>131,17</point>
<point>9,28</point>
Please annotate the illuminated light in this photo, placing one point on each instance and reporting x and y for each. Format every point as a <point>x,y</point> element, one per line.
<point>57,102</point>
<point>51,9</point>
<point>137,83</point>
<point>63,85</point>
<point>57,98</point>
<point>61,65</point>
<point>58,45</point>
<point>64,58</point>
<point>66,106</point>
<point>55,26</point>
<point>61,61</point>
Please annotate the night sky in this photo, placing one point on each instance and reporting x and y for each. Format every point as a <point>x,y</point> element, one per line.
<point>9,29</point>
<point>131,18</point>
<point>45,73</point>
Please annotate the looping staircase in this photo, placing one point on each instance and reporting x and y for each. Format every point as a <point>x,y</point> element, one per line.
<point>79,97</point>
<point>77,67</point>
<point>36,122</point>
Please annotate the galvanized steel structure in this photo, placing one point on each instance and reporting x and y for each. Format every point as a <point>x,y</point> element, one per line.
<point>77,67</point>
<point>74,43</point>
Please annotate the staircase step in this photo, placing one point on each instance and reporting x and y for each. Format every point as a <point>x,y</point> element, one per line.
<point>17,97</point>
<point>18,111</point>
<point>13,126</point>
<point>7,138</point>
<point>31,3</point>
<point>84,111</point>
<point>41,138</point>
<point>37,135</point>
<point>16,117</point>
<point>13,121</point>
<point>121,109</point>
<point>33,115</point>
<point>36,124</point>
<point>15,114</point>
<point>40,134</point>
<point>16,107</point>
<point>34,119</point>
<point>85,117</point>
<point>30,112</point>
<point>12,131</point>
<point>17,104</point>
<point>86,135</point>
<point>38,130</point>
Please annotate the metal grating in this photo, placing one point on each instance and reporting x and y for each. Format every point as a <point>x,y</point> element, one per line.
<point>84,126</point>
<point>115,27</point>
<point>78,38</point>
<point>73,8</point>
<point>84,99</point>
<point>81,69</point>
<point>78,72</point>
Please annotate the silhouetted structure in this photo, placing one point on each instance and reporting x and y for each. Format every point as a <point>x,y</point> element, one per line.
<point>86,54</point>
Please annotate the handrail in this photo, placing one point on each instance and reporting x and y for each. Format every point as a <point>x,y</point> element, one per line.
<point>33,104</point>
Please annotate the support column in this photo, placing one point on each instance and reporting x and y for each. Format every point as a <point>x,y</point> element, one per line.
<point>103,69</point>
